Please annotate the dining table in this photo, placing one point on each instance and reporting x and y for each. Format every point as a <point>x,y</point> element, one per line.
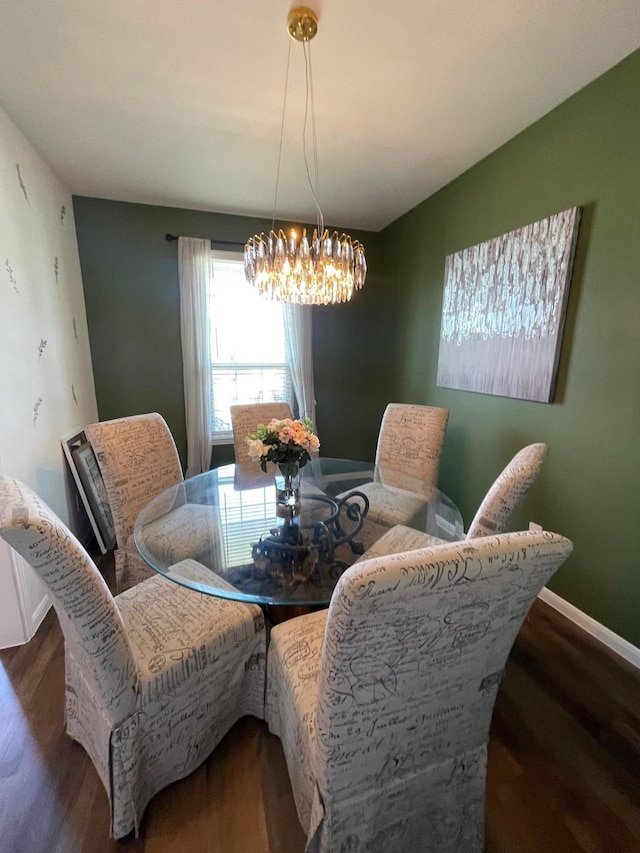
<point>262,545</point>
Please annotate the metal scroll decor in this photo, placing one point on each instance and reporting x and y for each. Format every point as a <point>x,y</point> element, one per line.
<point>296,555</point>
<point>504,308</point>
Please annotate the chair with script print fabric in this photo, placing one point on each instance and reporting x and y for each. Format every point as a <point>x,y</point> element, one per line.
<point>410,440</point>
<point>383,704</point>
<point>494,513</point>
<point>138,460</point>
<point>245,419</point>
<point>155,677</point>
<point>508,491</point>
<point>407,464</point>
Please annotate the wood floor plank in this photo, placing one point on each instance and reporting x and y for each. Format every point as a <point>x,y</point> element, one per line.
<point>172,822</point>
<point>283,827</point>
<point>237,821</point>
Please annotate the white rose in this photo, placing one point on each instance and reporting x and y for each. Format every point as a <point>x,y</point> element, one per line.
<point>256,449</point>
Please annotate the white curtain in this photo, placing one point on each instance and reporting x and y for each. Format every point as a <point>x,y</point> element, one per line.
<point>297,325</point>
<point>194,268</point>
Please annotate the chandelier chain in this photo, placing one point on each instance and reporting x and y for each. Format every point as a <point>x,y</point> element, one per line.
<point>309,99</point>
<point>284,107</point>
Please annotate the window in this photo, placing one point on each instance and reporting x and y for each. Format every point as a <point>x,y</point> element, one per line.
<point>249,361</point>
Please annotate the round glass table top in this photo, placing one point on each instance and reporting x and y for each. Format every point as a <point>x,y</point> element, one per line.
<point>237,533</point>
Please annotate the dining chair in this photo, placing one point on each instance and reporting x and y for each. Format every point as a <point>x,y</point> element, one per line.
<point>383,703</point>
<point>508,491</point>
<point>138,460</point>
<point>407,460</point>
<point>246,417</point>
<point>494,513</point>
<point>410,440</point>
<point>155,677</point>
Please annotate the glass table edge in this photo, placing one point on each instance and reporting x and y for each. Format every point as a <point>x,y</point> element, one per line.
<point>237,595</point>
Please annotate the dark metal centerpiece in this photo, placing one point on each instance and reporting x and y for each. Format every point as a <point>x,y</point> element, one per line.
<point>294,552</point>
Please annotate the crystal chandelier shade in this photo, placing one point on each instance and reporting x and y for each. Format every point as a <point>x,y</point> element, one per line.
<point>322,271</point>
<point>325,269</point>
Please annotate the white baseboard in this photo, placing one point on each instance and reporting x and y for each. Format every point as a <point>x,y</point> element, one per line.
<point>24,601</point>
<point>40,612</point>
<point>610,639</point>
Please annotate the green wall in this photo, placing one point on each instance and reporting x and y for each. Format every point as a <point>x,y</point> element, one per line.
<point>586,152</point>
<point>130,276</point>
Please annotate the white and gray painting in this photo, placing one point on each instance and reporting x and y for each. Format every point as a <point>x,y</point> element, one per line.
<point>503,310</point>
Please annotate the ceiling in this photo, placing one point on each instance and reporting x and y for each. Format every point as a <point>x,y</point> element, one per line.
<point>180,103</point>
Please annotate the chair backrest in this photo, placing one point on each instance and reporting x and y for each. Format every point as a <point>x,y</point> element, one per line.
<point>508,491</point>
<point>94,632</point>
<point>138,460</point>
<point>413,653</point>
<point>410,440</point>
<point>245,419</point>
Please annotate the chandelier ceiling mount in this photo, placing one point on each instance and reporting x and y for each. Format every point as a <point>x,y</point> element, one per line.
<point>302,23</point>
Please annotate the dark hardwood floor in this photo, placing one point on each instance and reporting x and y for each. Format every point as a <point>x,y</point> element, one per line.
<point>564,762</point>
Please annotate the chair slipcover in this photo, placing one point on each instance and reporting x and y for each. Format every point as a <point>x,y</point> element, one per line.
<point>508,491</point>
<point>407,464</point>
<point>400,538</point>
<point>383,703</point>
<point>245,419</point>
<point>410,441</point>
<point>138,460</point>
<point>494,513</point>
<point>155,677</point>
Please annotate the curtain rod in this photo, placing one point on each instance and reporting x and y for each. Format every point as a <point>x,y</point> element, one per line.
<point>171,237</point>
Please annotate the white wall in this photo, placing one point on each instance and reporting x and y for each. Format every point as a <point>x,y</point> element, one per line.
<point>46,380</point>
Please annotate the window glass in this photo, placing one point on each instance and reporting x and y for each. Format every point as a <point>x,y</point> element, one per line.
<point>249,361</point>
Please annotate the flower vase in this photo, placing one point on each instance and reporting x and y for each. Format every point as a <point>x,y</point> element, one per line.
<point>288,489</point>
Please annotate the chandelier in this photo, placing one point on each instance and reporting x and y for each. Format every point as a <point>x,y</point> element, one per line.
<point>319,270</point>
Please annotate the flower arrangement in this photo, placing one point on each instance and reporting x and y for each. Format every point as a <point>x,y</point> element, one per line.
<point>287,443</point>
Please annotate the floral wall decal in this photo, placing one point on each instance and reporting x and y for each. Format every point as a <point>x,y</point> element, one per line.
<point>22,186</point>
<point>36,409</point>
<point>12,278</point>
<point>41,353</point>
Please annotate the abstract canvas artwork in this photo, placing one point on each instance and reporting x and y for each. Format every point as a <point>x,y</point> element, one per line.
<point>504,308</point>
